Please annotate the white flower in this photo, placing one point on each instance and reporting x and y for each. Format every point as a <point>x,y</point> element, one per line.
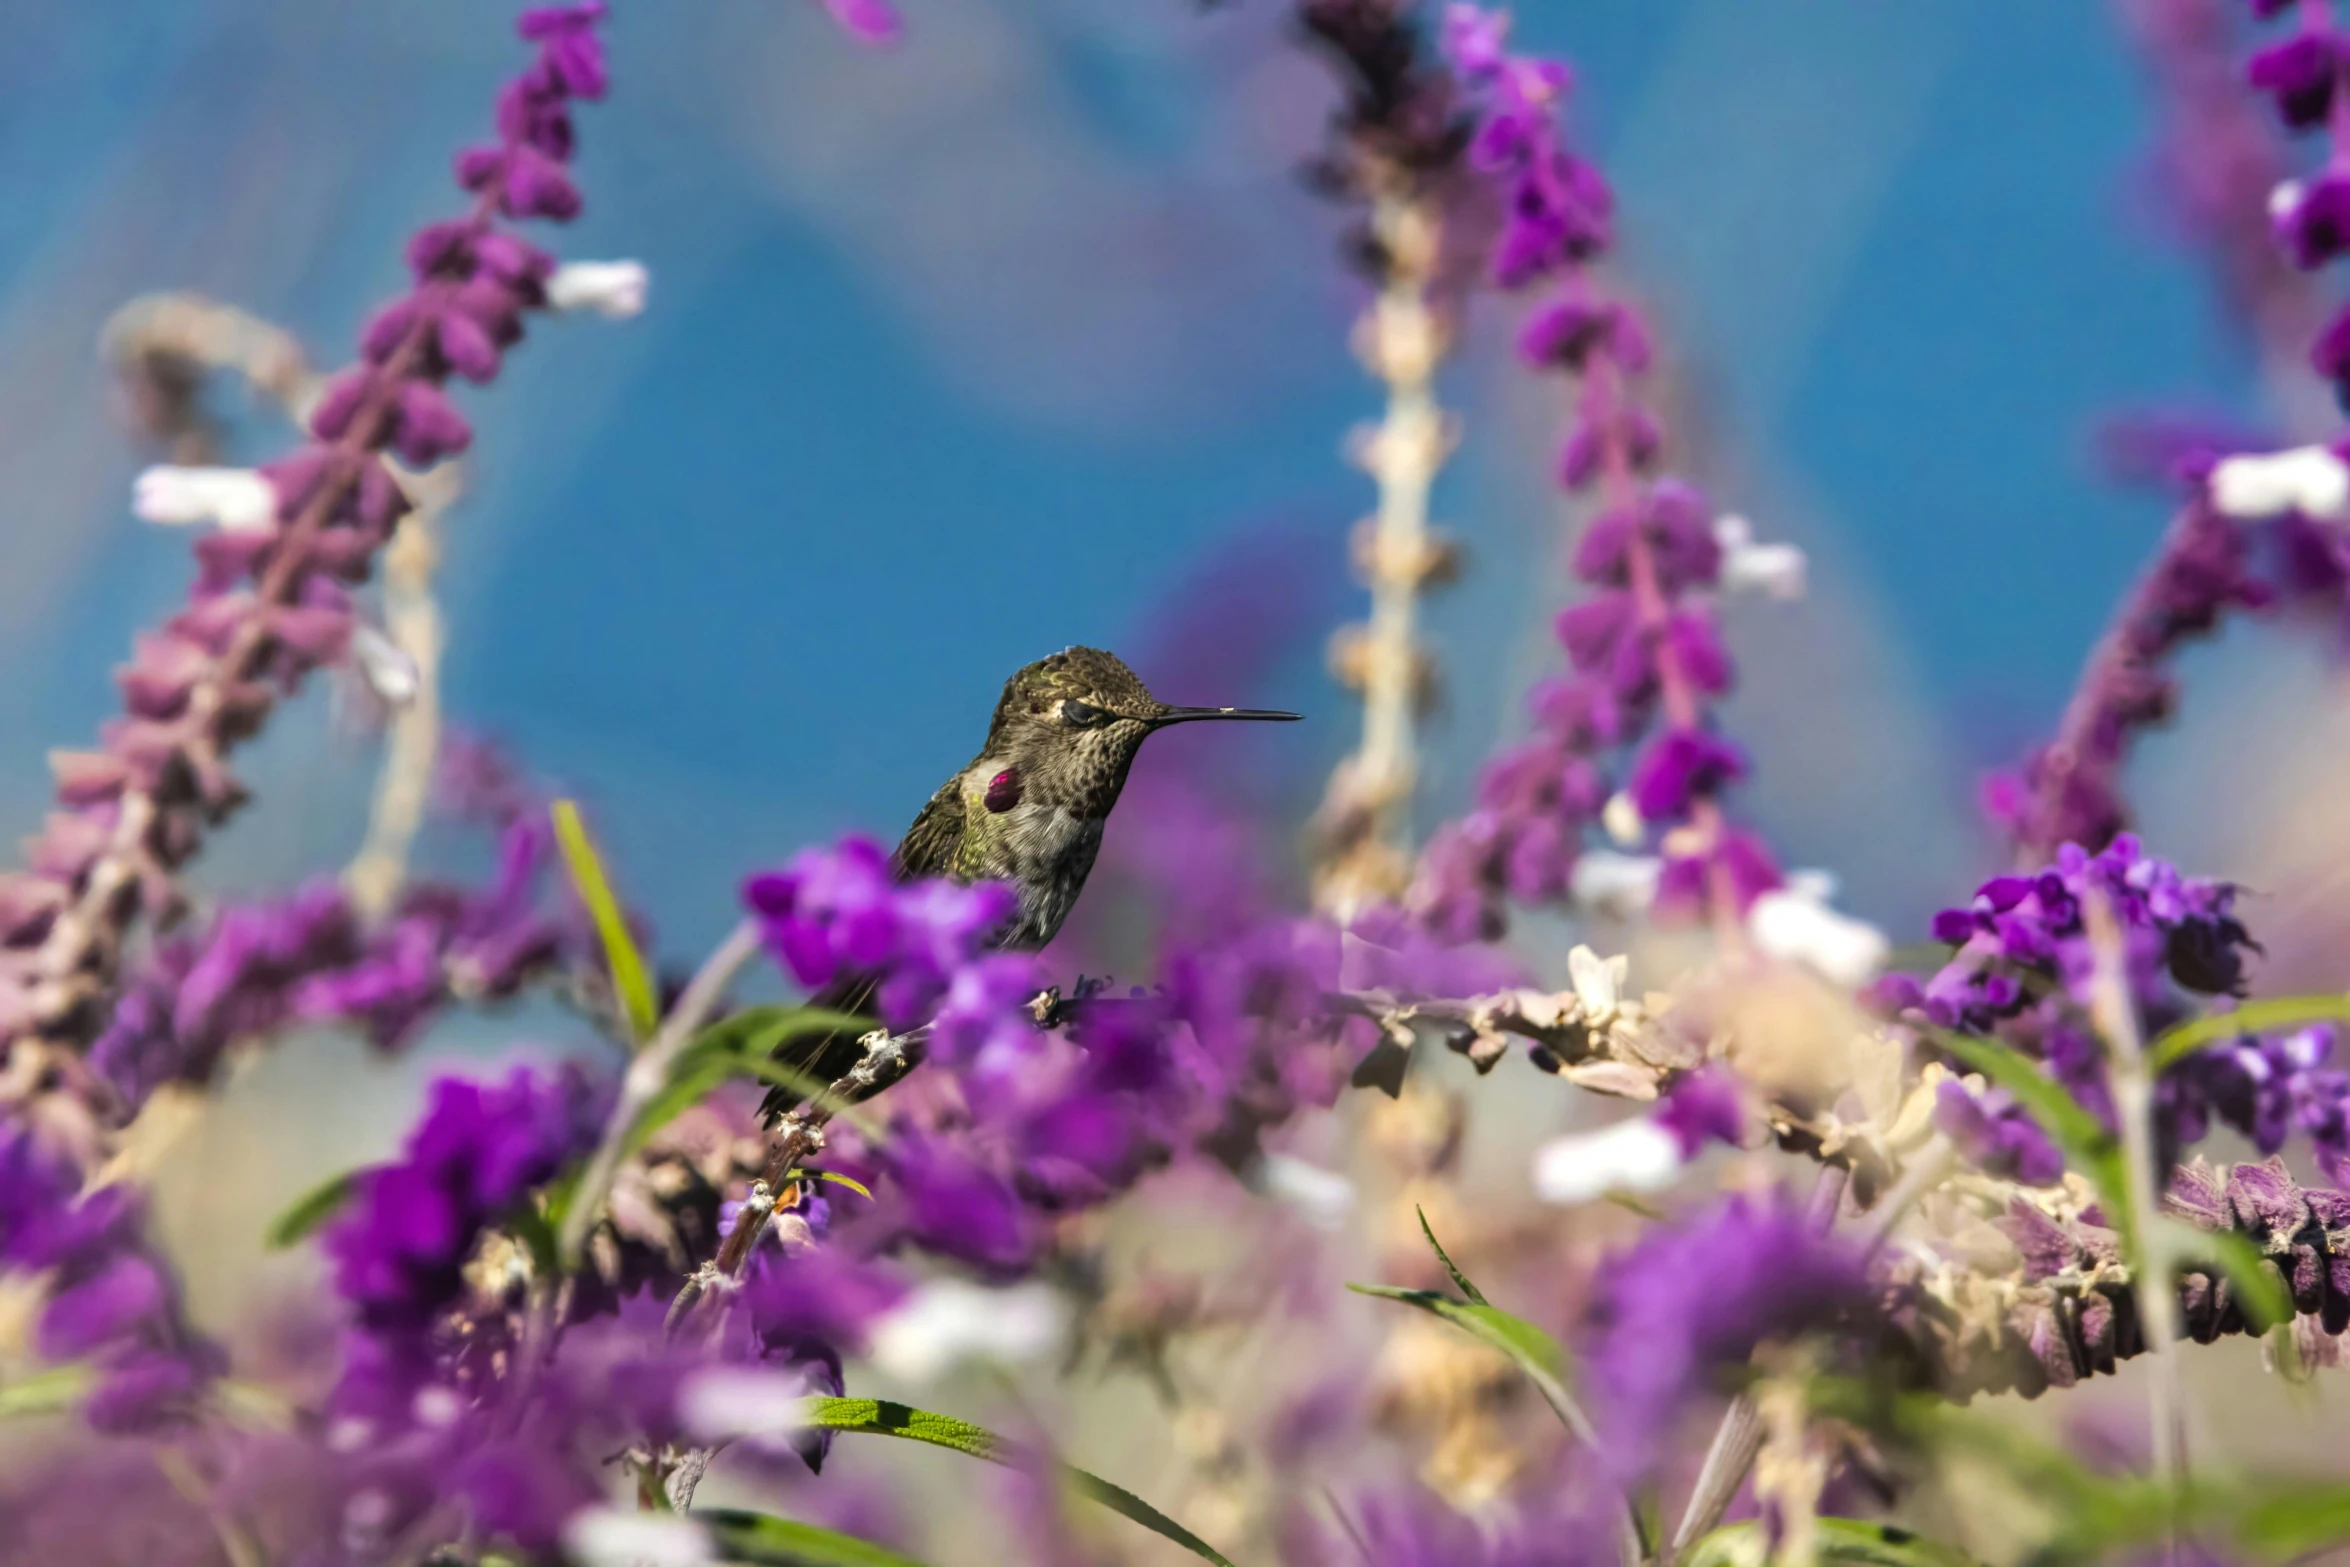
<point>1598,981</point>
<point>614,290</point>
<point>1323,1198</point>
<point>618,1537</point>
<point>1621,818</point>
<point>2307,479</point>
<point>238,500</point>
<point>390,672</point>
<point>2283,199</point>
<point>1622,885</point>
<point>1748,567</point>
<point>728,1404</point>
<point>947,1321</point>
<point>1634,1156</point>
<point>1790,925</point>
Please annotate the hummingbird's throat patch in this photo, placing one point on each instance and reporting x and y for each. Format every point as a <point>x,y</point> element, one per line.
<point>1003,791</point>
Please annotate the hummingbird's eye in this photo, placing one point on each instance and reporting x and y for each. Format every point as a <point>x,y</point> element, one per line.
<point>1081,715</point>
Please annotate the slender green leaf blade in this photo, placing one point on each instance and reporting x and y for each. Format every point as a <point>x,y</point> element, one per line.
<point>629,979</point>
<point>1135,1510</point>
<point>306,1213</point>
<point>2295,1520</point>
<point>2254,1017</point>
<point>2086,1143</point>
<point>767,1541</point>
<point>49,1392</point>
<point>1460,1280</point>
<point>882,1418</point>
<point>1515,1337</point>
<point>838,1179</point>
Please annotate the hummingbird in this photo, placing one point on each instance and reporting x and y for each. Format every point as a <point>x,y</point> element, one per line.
<point>1028,811</point>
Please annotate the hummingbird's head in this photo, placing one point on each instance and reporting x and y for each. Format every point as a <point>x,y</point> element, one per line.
<point>1080,716</point>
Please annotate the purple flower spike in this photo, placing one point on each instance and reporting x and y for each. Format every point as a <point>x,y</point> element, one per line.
<point>268,606</point>
<point>1645,650</point>
<point>1692,1301</point>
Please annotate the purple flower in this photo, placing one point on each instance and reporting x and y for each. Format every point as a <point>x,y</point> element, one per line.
<point>1998,1134</point>
<point>1680,767</point>
<point>400,1248</point>
<point>1705,1105</point>
<point>269,605</point>
<point>840,911</point>
<point>2300,74</point>
<point>1692,1301</point>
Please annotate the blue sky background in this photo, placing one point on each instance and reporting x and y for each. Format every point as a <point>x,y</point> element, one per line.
<point>993,343</point>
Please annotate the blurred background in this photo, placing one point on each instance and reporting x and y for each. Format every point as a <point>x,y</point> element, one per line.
<point>1027,333</point>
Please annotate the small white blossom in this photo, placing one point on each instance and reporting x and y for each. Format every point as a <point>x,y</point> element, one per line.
<point>1622,819</point>
<point>1598,981</point>
<point>618,1537</point>
<point>238,500</point>
<point>438,1407</point>
<point>614,290</point>
<point>765,1408</point>
<point>1323,1198</point>
<point>947,1321</point>
<point>1632,1156</point>
<point>1622,885</point>
<point>2307,479</point>
<point>2283,199</point>
<point>1747,567</point>
<point>390,673</point>
<point>1796,928</point>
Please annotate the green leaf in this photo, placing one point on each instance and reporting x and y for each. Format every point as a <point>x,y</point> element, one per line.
<point>882,1418</point>
<point>1460,1280</point>
<point>536,1231</point>
<point>838,1179</point>
<point>767,1541</point>
<point>2253,1017</point>
<point>740,1045</point>
<point>2086,1143</point>
<point>629,980</point>
<point>50,1392</point>
<point>2260,1292</point>
<point>306,1213</point>
<point>1537,1354</point>
<point>1515,1337</point>
<point>2295,1520</point>
<point>1848,1540</point>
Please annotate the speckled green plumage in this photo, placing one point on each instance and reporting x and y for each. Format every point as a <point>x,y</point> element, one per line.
<point>1027,810</point>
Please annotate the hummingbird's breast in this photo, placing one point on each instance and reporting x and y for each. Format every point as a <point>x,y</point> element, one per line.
<point>1041,846</point>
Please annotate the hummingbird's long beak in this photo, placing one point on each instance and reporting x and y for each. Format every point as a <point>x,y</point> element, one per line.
<point>1184,715</point>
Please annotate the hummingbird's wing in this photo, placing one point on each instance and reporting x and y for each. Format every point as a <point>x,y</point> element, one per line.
<point>930,845</point>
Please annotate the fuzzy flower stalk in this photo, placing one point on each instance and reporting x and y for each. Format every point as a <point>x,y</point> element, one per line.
<point>1394,144</point>
<point>272,599</point>
<point>1646,651</point>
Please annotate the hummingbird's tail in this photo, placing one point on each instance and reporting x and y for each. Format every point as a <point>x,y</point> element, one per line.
<point>821,1059</point>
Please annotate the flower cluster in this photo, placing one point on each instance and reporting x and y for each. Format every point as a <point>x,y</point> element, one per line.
<point>401,1251</point>
<point>840,914</point>
<point>259,968</point>
<point>2302,76</point>
<point>1646,651</point>
<point>1398,127</point>
<point>271,600</point>
<point>1693,1300</point>
<point>2022,972</point>
<point>111,1304</point>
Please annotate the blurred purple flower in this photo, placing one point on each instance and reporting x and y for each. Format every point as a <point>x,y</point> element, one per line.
<point>1999,1135</point>
<point>1693,1300</point>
